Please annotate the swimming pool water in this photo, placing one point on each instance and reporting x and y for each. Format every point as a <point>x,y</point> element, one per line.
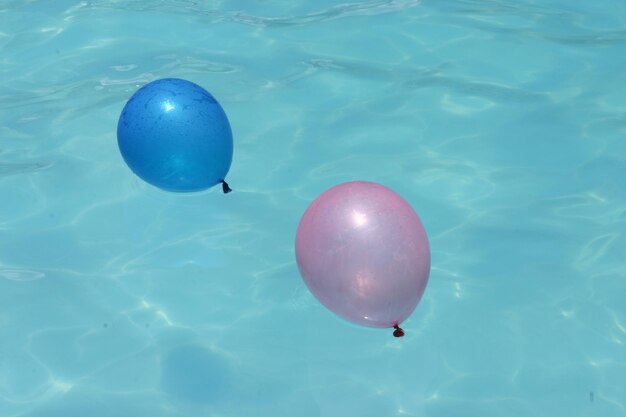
<point>501,122</point>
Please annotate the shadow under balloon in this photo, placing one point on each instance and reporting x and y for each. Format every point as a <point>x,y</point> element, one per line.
<point>196,375</point>
<point>197,380</point>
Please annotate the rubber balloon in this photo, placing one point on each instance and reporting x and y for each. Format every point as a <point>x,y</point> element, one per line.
<point>173,134</point>
<point>364,254</point>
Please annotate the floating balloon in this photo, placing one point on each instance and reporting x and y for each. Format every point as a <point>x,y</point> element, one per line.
<point>363,252</point>
<point>173,134</point>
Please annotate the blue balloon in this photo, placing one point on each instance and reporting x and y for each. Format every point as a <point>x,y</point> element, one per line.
<point>173,134</point>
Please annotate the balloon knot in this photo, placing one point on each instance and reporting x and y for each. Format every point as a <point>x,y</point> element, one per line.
<point>225,188</point>
<point>398,332</point>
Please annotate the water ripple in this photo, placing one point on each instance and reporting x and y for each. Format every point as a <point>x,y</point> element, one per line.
<point>425,77</point>
<point>368,8</point>
<point>21,275</point>
<point>11,168</point>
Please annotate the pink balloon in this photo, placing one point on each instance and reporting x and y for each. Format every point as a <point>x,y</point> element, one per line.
<point>363,252</point>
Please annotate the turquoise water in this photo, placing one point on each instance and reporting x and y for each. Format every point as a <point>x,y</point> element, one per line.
<point>501,122</point>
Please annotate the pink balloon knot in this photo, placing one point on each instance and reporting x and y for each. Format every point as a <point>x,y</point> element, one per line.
<point>398,332</point>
